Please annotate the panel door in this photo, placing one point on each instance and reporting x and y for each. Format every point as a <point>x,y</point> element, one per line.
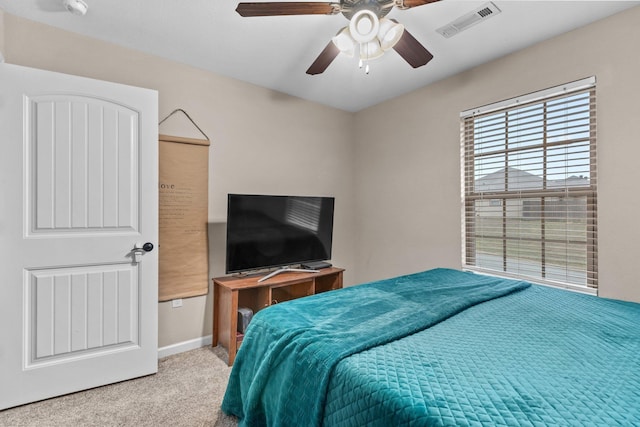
<point>78,179</point>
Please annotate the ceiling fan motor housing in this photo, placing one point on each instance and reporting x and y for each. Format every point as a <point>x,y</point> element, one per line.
<point>379,7</point>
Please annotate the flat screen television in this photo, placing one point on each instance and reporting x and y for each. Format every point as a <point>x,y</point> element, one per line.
<point>266,231</point>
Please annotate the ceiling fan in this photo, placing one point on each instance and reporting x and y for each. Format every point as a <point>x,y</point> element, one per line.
<point>368,28</point>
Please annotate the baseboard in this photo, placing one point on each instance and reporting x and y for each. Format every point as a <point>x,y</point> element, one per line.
<point>184,346</point>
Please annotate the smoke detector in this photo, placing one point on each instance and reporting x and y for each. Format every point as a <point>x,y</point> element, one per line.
<point>77,7</point>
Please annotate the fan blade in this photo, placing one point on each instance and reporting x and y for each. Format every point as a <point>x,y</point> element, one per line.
<point>407,4</point>
<point>411,50</point>
<point>287,8</point>
<point>324,59</point>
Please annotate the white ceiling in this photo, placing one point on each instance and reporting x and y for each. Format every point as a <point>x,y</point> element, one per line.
<point>274,52</point>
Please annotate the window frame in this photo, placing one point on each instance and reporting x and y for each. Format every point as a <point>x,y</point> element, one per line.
<point>470,196</point>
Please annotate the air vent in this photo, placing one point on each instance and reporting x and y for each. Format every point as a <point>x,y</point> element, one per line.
<point>468,20</point>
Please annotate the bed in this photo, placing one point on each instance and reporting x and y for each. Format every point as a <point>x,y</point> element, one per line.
<point>440,348</point>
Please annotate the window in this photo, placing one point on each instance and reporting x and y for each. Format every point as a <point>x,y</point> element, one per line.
<point>529,184</point>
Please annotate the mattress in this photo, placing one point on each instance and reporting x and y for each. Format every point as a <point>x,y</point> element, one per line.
<point>526,355</point>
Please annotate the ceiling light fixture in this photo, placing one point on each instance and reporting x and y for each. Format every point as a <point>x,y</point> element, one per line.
<point>372,35</point>
<point>344,42</point>
<point>77,7</point>
<point>364,26</point>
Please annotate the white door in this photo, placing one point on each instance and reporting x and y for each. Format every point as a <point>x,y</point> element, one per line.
<point>78,190</point>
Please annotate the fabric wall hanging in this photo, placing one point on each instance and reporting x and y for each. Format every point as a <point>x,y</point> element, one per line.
<point>183,196</point>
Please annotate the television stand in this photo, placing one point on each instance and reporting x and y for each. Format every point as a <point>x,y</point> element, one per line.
<point>285,270</point>
<point>232,292</point>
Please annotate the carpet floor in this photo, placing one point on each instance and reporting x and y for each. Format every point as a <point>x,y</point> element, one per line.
<point>186,391</point>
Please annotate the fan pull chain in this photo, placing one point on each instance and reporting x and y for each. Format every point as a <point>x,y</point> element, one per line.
<point>366,61</point>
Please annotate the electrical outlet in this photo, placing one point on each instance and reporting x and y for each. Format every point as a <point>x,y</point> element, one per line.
<point>175,303</point>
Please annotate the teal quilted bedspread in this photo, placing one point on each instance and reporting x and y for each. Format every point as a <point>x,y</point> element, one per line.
<point>540,357</point>
<point>282,372</point>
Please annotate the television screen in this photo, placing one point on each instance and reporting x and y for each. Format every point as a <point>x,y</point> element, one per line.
<point>275,231</point>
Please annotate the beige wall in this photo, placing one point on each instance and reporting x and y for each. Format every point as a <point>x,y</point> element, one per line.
<point>262,141</point>
<point>393,168</point>
<point>408,154</point>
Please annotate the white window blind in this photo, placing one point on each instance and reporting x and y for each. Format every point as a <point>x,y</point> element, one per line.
<point>529,188</point>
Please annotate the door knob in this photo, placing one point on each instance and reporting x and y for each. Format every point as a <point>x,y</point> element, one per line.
<point>139,249</point>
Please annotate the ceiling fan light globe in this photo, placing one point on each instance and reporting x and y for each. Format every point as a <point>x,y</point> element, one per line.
<point>344,42</point>
<point>364,26</point>
<point>389,34</point>
<point>77,7</point>
<point>370,50</point>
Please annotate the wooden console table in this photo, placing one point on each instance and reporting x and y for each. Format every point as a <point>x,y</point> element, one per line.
<point>231,292</point>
